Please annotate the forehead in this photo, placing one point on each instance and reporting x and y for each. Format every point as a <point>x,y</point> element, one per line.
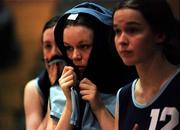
<point>127,15</point>
<point>48,32</point>
<point>77,34</point>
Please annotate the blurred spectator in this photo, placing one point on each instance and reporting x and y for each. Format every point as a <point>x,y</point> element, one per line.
<point>10,50</point>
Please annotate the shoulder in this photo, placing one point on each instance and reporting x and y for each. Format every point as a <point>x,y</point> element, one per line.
<point>31,90</point>
<point>174,80</point>
<point>31,86</point>
<point>124,90</point>
<point>124,94</point>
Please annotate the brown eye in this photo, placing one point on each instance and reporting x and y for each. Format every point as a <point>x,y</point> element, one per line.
<point>47,46</point>
<point>85,46</point>
<point>117,31</point>
<point>68,48</point>
<point>132,30</point>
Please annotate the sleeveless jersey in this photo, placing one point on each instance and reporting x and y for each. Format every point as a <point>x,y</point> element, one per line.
<point>43,86</point>
<point>161,113</point>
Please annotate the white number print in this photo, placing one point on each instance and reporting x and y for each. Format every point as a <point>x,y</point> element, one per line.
<point>171,111</point>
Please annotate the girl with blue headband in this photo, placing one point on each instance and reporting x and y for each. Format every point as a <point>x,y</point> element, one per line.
<point>93,73</point>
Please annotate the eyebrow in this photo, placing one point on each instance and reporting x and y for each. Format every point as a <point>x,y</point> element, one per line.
<point>134,23</point>
<point>46,42</point>
<point>115,25</point>
<point>129,24</point>
<point>81,43</point>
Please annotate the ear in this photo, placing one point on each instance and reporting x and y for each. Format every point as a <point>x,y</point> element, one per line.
<point>160,37</point>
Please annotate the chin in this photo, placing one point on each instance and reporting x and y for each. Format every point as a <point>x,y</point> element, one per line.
<point>128,62</point>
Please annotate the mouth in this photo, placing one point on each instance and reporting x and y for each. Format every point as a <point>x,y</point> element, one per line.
<point>125,53</point>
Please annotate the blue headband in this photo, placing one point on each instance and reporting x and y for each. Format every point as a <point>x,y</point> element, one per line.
<point>99,12</point>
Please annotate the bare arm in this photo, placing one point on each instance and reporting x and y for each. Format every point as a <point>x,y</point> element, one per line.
<point>43,124</point>
<point>51,123</point>
<point>66,82</point>
<point>90,93</point>
<point>104,117</point>
<point>33,109</point>
<point>64,122</point>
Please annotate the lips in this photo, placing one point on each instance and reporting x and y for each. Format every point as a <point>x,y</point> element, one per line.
<point>125,53</point>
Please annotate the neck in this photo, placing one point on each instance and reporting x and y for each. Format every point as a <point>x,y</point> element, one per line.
<point>154,73</point>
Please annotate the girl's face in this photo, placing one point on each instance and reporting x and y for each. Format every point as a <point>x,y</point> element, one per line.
<point>134,39</point>
<point>78,41</point>
<point>50,48</point>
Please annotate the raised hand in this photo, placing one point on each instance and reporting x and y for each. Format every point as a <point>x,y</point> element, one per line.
<point>89,92</point>
<point>67,80</point>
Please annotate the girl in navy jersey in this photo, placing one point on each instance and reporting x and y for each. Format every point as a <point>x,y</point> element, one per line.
<point>147,35</point>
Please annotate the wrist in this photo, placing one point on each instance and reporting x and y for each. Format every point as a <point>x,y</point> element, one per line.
<point>68,105</point>
<point>98,108</point>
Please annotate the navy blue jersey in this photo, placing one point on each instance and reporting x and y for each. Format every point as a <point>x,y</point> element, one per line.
<point>161,113</point>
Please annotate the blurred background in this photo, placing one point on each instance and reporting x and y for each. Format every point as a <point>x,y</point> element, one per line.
<point>21,23</point>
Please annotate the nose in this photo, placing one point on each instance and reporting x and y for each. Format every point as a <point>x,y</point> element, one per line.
<point>121,39</point>
<point>76,54</point>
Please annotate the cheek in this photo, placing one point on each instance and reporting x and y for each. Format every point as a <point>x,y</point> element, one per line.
<point>47,55</point>
<point>117,46</point>
<point>138,45</point>
<point>69,55</point>
<point>86,57</point>
<point>115,39</point>
<point>143,47</point>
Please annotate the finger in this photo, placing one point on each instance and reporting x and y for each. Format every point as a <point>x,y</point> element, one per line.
<point>66,72</point>
<point>83,86</point>
<point>85,92</point>
<point>86,80</point>
<point>67,68</point>
<point>67,84</point>
<point>66,79</point>
<point>86,97</point>
<point>87,86</point>
<point>136,127</point>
